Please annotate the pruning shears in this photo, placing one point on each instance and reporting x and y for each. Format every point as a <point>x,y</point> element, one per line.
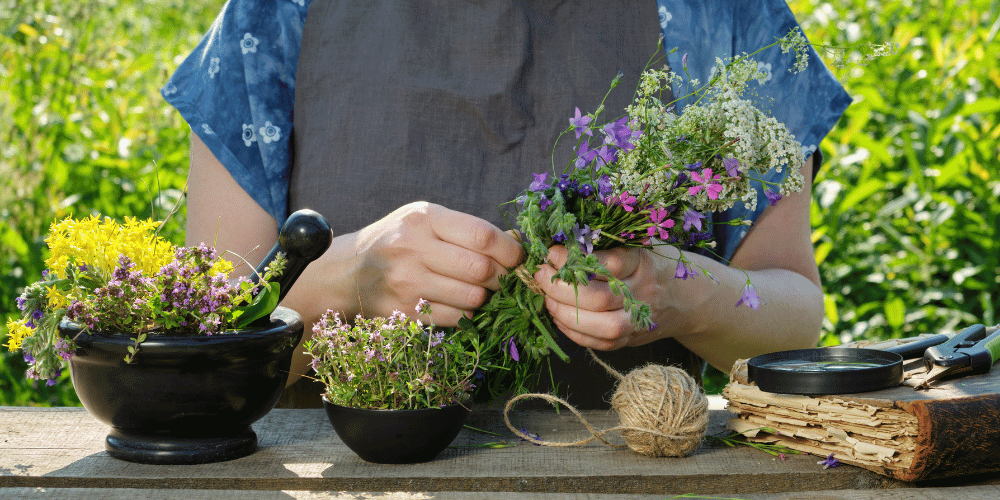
<point>971,351</point>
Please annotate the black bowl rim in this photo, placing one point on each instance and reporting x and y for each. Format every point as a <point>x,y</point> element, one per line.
<point>283,321</point>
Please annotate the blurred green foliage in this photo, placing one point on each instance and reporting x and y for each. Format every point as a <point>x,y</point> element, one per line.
<point>905,209</point>
<point>84,130</point>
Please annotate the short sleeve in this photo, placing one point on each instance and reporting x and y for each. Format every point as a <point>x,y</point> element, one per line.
<point>236,91</point>
<point>809,102</point>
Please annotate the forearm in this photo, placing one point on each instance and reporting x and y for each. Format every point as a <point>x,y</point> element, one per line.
<point>789,316</point>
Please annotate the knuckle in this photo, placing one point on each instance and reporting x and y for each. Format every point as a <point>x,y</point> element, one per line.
<point>481,236</point>
<point>478,269</point>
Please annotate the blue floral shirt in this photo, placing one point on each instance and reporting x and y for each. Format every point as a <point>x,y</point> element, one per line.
<point>236,89</point>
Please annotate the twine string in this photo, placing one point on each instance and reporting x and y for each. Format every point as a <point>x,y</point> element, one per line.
<point>674,402</point>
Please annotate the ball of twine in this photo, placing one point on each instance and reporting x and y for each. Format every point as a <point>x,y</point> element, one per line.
<point>662,409</point>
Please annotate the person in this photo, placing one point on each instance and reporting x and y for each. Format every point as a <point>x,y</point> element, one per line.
<point>407,124</point>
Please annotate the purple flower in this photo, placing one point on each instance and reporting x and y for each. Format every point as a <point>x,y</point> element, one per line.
<point>692,219</point>
<point>619,134</point>
<point>750,298</point>
<point>28,358</point>
<point>683,271</point>
<point>586,237</point>
<point>423,306</point>
<point>559,237</point>
<point>20,303</point>
<point>585,190</point>
<point>51,382</point>
<point>830,462</point>
<point>684,61</point>
<point>531,435</point>
<point>604,186</point>
<point>585,155</point>
<point>607,155</point>
<point>579,123</point>
<point>660,223</point>
<point>512,349</point>
<point>694,166</point>
<point>565,183</point>
<point>544,203</point>
<point>732,166</point>
<point>772,196</point>
<point>539,184</point>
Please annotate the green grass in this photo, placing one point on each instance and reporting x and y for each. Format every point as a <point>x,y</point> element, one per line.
<point>83,130</point>
<point>904,211</point>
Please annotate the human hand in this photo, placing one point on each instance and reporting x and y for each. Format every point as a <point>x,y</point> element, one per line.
<point>422,250</point>
<point>593,316</point>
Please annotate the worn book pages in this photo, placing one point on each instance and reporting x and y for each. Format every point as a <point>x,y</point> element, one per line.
<point>898,432</point>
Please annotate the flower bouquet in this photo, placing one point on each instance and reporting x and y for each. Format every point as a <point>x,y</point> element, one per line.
<point>646,178</point>
<point>161,345</point>
<point>394,388</point>
<point>124,278</point>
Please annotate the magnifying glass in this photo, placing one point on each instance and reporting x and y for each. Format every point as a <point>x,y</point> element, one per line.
<point>835,370</point>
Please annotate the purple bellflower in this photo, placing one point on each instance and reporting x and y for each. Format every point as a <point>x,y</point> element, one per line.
<point>683,271</point>
<point>579,123</point>
<point>750,298</point>
<point>539,183</point>
<point>830,462</point>
<point>772,196</point>
<point>732,167</point>
<point>692,219</point>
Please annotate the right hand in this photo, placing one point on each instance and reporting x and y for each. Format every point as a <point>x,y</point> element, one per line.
<point>422,250</point>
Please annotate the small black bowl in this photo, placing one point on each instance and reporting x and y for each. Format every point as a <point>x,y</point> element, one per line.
<point>397,436</point>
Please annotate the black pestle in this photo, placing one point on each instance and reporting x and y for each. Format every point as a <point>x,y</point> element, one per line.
<point>304,236</point>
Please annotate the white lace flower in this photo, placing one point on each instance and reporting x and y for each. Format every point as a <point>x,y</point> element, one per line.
<point>213,67</point>
<point>765,73</point>
<point>249,136</point>
<point>270,133</point>
<point>664,17</point>
<point>248,43</point>
<point>208,130</point>
<point>169,89</point>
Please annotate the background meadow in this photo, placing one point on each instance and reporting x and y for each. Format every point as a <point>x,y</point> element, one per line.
<point>905,210</point>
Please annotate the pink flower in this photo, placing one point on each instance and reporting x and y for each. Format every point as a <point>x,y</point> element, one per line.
<point>704,180</point>
<point>660,223</point>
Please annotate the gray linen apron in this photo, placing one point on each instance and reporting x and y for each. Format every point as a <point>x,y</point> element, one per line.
<point>458,103</point>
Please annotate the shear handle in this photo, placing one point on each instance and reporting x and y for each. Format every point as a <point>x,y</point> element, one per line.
<point>973,347</point>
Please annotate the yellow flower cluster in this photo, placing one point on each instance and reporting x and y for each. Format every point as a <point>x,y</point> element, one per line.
<point>16,333</point>
<point>98,243</point>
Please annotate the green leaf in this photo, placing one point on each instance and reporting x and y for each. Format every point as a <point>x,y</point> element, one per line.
<point>262,305</point>
<point>895,312</point>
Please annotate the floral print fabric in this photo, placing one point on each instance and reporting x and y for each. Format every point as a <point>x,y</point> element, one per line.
<point>237,87</point>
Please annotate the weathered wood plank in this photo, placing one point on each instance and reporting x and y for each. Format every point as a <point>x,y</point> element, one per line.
<point>64,448</point>
<point>956,493</point>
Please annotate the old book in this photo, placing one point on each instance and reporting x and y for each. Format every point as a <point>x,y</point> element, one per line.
<point>952,429</point>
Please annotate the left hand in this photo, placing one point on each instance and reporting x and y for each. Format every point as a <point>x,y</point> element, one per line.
<point>593,316</point>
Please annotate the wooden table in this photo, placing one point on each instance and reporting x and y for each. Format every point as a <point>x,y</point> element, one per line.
<point>59,453</point>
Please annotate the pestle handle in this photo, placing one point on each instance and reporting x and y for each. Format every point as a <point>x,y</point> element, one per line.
<point>304,236</point>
